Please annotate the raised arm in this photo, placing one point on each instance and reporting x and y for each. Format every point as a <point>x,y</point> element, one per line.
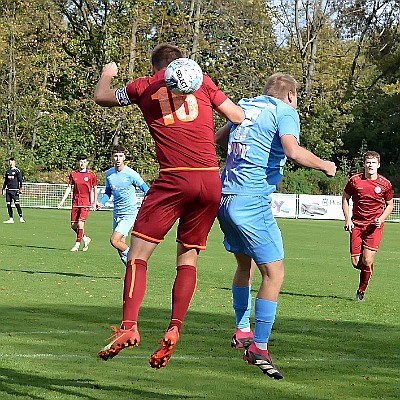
<point>304,157</point>
<point>104,95</point>
<point>231,111</point>
<point>221,137</point>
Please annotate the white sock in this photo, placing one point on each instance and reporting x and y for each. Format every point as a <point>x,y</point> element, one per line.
<point>247,329</point>
<point>261,346</point>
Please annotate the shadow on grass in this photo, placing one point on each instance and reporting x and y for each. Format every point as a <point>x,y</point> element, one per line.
<point>302,295</point>
<point>12,380</point>
<point>72,274</point>
<point>317,296</point>
<point>317,357</point>
<point>24,246</point>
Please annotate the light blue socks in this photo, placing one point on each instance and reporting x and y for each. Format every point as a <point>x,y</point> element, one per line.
<point>242,305</point>
<point>264,316</point>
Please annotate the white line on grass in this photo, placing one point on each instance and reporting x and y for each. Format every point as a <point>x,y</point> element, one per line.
<point>191,358</point>
<point>61,332</point>
<point>67,332</point>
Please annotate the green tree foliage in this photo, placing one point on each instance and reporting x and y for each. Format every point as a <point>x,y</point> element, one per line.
<point>311,182</point>
<point>345,55</point>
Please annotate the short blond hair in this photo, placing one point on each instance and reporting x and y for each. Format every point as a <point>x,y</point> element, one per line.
<point>371,154</point>
<point>279,85</point>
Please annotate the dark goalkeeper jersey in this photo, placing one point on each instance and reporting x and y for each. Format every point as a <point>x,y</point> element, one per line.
<point>12,179</point>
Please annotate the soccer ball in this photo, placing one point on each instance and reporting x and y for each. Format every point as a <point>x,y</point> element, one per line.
<point>183,76</point>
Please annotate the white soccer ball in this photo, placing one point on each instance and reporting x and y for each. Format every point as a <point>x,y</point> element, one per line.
<point>183,76</point>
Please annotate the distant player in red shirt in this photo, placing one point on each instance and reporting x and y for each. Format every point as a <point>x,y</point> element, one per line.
<point>84,181</point>
<point>188,189</point>
<point>372,204</point>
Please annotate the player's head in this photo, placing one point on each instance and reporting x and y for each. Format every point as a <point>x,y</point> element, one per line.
<point>163,54</point>
<point>283,87</point>
<point>11,162</point>
<point>372,161</point>
<point>118,154</point>
<point>371,154</point>
<point>83,162</point>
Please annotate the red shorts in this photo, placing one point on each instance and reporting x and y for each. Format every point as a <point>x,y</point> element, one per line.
<point>79,214</point>
<point>368,236</point>
<point>191,196</point>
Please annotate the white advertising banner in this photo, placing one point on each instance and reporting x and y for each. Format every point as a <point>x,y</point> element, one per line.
<point>283,205</point>
<point>320,207</point>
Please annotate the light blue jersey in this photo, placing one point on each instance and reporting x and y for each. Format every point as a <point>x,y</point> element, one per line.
<point>122,185</point>
<point>255,160</point>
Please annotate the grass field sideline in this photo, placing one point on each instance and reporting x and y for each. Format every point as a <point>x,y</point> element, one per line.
<point>57,307</point>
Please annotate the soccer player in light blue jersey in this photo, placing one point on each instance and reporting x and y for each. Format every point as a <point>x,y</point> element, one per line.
<point>121,182</point>
<point>257,151</point>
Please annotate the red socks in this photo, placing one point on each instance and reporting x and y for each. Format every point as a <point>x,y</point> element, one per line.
<point>79,235</point>
<point>182,293</point>
<point>365,276</point>
<point>134,291</point>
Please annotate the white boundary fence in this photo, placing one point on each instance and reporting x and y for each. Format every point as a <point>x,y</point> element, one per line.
<point>47,195</point>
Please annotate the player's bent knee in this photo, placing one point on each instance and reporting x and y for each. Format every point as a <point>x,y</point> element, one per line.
<point>368,262</point>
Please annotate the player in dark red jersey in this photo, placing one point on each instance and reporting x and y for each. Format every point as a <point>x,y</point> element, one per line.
<point>187,189</point>
<point>372,204</point>
<point>84,181</point>
<point>12,188</point>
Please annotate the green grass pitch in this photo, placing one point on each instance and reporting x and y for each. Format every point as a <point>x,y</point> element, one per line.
<point>57,306</point>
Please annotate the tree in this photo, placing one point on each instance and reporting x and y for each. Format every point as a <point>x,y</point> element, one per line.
<point>303,24</point>
<point>366,23</point>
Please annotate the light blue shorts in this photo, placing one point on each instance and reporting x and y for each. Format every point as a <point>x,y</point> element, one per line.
<point>250,228</point>
<point>123,223</point>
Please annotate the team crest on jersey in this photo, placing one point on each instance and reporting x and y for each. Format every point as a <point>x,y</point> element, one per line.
<point>378,189</point>
<point>85,178</point>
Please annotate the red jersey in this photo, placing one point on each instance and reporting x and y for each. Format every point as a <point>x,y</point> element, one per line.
<point>181,126</point>
<point>83,183</point>
<point>369,197</point>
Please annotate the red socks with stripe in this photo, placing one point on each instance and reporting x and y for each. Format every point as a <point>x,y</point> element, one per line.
<point>182,293</point>
<point>79,235</point>
<point>365,276</point>
<point>134,291</point>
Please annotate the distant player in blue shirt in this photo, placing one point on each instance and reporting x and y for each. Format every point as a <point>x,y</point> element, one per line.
<point>257,152</point>
<point>121,182</point>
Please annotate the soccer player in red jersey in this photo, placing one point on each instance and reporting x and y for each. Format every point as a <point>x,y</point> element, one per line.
<point>187,189</point>
<point>372,204</point>
<point>84,181</point>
